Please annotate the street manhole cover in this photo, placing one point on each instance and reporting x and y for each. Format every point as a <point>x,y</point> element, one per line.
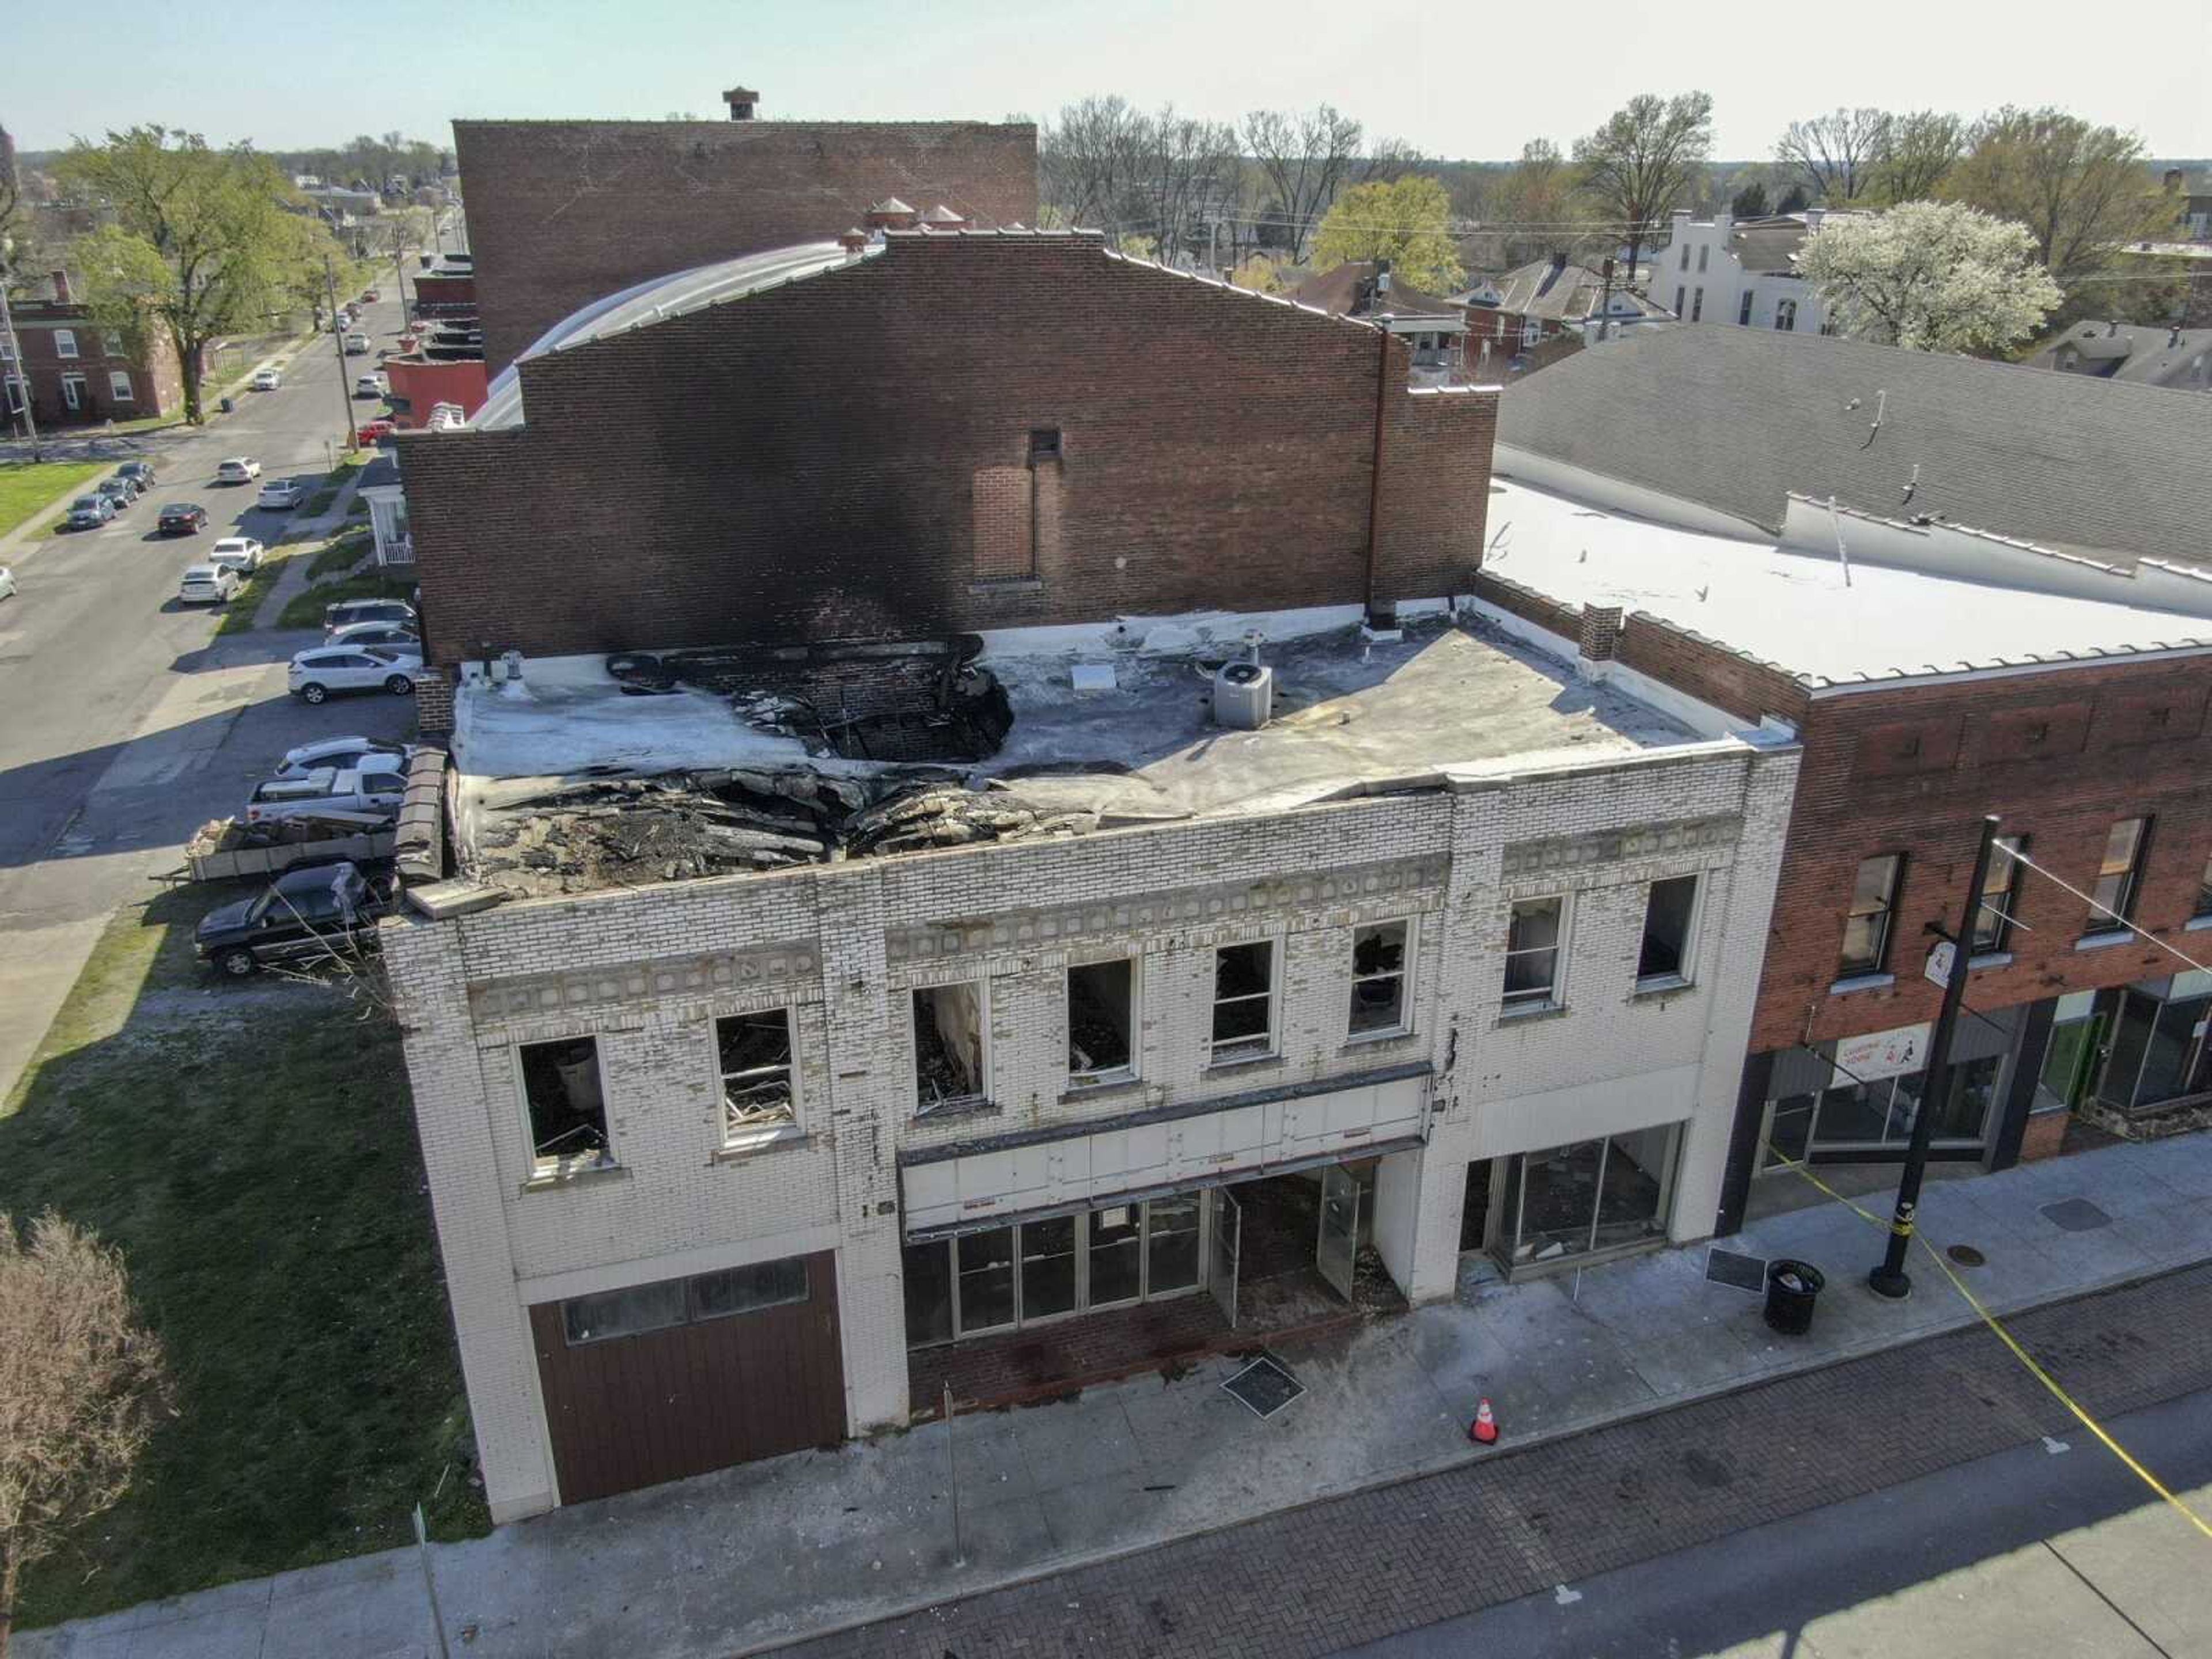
<point>1967,1256</point>
<point>2075,1215</point>
<point>1265,1387</point>
<point>1737,1270</point>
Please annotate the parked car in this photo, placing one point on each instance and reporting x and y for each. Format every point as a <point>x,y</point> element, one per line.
<point>368,385</point>
<point>207,583</point>
<point>377,632</point>
<point>241,553</point>
<point>121,490</point>
<point>313,675</point>
<point>281,495</point>
<point>346,612</point>
<point>143,471</point>
<point>88,513</point>
<point>356,345</point>
<point>267,380</point>
<point>182,519</point>
<point>238,470</point>
<point>375,790</point>
<point>376,431</point>
<point>369,296</point>
<point>306,913</point>
<point>344,753</point>
<point>7,583</point>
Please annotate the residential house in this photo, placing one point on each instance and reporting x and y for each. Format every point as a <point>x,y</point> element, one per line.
<point>380,486</point>
<point>1726,270</point>
<point>2193,202</point>
<point>1079,893</point>
<point>76,372</point>
<point>563,213</point>
<point>2175,357</point>
<point>1538,312</point>
<point>1434,330</point>
<point>1875,552</point>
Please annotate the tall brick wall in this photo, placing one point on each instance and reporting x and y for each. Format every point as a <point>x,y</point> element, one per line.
<point>564,212</point>
<point>1913,770</point>
<point>804,462</point>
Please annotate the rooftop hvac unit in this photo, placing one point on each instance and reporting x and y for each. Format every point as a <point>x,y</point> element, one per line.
<point>1243,695</point>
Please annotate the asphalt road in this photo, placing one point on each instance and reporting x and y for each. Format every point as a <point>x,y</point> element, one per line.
<point>124,724</point>
<point>2034,1550</point>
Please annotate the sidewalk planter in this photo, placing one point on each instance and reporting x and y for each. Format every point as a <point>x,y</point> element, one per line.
<point>1792,1288</point>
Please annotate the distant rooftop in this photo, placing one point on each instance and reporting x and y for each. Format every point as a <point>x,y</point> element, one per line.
<point>572,785</point>
<point>1794,610</point>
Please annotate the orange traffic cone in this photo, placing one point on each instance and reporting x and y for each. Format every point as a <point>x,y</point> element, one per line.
<point>1484,1430</point>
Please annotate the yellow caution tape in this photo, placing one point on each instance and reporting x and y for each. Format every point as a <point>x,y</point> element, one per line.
<point>2034,1369</point>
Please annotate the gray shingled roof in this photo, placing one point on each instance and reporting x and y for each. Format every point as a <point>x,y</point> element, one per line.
<point>2134,352</point>
<point>1736,418</point>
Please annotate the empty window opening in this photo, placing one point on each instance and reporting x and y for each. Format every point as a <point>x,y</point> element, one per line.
<point>1243,1001</point>
<point>948,1046</point>
<point>637,1309</point>
<point>1874,901</point>
<point>1532,953</point>
<point>1668,911</point>
<point>1044,443</point>
<point>567,1102</point>
<point>2000,894</point>
<point>753,1052</point>
<point>1378,979</point>
<point>1101,1024</point>
<point>2119,874</point>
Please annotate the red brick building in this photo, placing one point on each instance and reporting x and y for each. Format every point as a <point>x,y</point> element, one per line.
<point>75,373</point>
<point>946,432</point>
<point>563,213</point>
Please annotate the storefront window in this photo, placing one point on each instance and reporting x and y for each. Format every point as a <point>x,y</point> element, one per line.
<point>987,1278</point>
<point>2157,1048</point>
<point>1116,1262</point>
<point>1591,1195</point>
<point>1172,1243</point>
<point>928,1275</point>
<point>1048,1267</point>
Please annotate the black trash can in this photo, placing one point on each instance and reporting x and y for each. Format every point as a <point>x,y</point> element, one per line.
<point>1792,1287</point>
<point>226,405</point>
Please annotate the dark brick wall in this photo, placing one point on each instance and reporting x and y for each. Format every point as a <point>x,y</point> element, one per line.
<point>562,213</point>
<point>157,385</point>
<point>802,462</point>
<point>1711,672</point>
<point>1911,770</point>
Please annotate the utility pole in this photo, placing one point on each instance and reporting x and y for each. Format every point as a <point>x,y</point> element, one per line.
<point>1605,304</point>
<point>337,339</point>
<point>1890,1279</point>
<point>12,372</point>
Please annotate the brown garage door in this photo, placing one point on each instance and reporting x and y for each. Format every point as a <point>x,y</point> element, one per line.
<point>661,1381</point>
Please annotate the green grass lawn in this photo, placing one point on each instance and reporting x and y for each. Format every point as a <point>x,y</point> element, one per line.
<point>250,1148</point>
<point>340,556</point>
<point>26,487</point>
<point>244,604</point>
<point>305,611</point>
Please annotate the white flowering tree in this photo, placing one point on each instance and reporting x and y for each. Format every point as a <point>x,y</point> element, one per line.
<point>1931,277</point>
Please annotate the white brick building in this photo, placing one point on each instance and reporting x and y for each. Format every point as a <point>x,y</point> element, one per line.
<point>1743,271</point>
<point>1459,951</point>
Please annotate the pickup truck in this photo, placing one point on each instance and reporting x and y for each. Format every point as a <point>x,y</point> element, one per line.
<point>374,787</point>
<point>306,914</point>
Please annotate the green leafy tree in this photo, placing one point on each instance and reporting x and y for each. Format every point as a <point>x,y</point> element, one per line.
<point>1931,276</point>
<point>1923,147</point>
<point>1642,161</point>
<point>1407,221</point>
<point>1750,202</point>
<point>199,245</point>
<point>2082,190</point>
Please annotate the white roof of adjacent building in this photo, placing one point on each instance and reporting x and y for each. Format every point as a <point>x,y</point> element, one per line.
<point>1795,608</point>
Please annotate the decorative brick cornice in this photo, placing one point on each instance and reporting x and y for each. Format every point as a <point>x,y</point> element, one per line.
<point>715,975</point>
<point>1556,853</point>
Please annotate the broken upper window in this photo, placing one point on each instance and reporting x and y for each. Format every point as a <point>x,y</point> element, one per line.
<point>1101,1022</point>
<point>1532,954</point>
<point>567,1104</point>
<point>949,1038</point>
<point>1243,1002</point>
<point>1669,911</point>
<point>1378,979</point>
<point>754,1055</point>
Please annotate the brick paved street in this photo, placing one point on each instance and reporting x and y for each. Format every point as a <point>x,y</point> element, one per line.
<point>1335,1574</point>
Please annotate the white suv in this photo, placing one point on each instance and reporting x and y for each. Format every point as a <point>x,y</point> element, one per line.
<point>326,789</point>
<point>239,469</point>
<point>313,675</point>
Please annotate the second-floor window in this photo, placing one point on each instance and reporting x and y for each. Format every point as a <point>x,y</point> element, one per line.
<point>1243,1002</point>
<point>1378,979</point>
<point>1874,901</point>
<point>1102,1023</point>
<point>1785,315</point>
<point>1743,310</point>
<point>1702,252</point>
<point>1670,914</point>
<point>752,1052</point>
<point>64,343</point>
<point>2119,875</point>
<point>564,1101</point>
<point>1532,954</point>
<point>952,1041</point>
<point>1686,256</point>
<point>2000,894</point>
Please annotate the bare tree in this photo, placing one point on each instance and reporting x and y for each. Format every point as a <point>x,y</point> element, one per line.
<point>1187,175</point>
<point>1387,159</point>
<point>1642,160</point>
<point>1305,159</point>
<point>1923,147</point>
<point>80,1384</point>
<point>1838,154</point>
<point>1087,161</point>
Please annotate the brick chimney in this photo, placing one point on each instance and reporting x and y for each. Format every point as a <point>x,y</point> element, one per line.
<point>1600,642</point>
<point>853,242</point>
<point>61,282</point>
<point>889,214</point>
<point>942,217</point>
<point>741,100</point>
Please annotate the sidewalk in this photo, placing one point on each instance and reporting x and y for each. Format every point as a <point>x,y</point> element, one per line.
<point>767,1553</point>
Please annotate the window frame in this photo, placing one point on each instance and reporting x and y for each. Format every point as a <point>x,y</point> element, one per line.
<point>1698,304</point>
<point>119,388</point>
<point>736,1140</point>
<point>2203,907</point>
<point>564,1167</point>
<point>1513,1005</point>
<point>2001,886</point>
<point>1111,1076</point>
<point>686,1289</point>
<point>1785,315</point>
<point>73,393</point>
<point>65,343</point>
<point>1743,310</point>
<point>1403,973</point>
<point>1685,974</point>
<point>985,1059</point>
<point>1272,1036</point>
<point>1878,962</point>
<point>2119,917</point>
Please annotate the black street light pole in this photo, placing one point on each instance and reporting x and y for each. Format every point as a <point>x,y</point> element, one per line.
<point>1890,1279</point>
<point>337,338</point>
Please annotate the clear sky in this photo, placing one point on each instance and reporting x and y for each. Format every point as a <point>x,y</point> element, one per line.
<point>1458,81</point>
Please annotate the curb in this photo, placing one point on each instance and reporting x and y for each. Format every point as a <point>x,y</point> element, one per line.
<point>1442,1465</point>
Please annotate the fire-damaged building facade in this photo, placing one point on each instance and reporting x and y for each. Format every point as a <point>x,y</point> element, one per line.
<point>990,840</point>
